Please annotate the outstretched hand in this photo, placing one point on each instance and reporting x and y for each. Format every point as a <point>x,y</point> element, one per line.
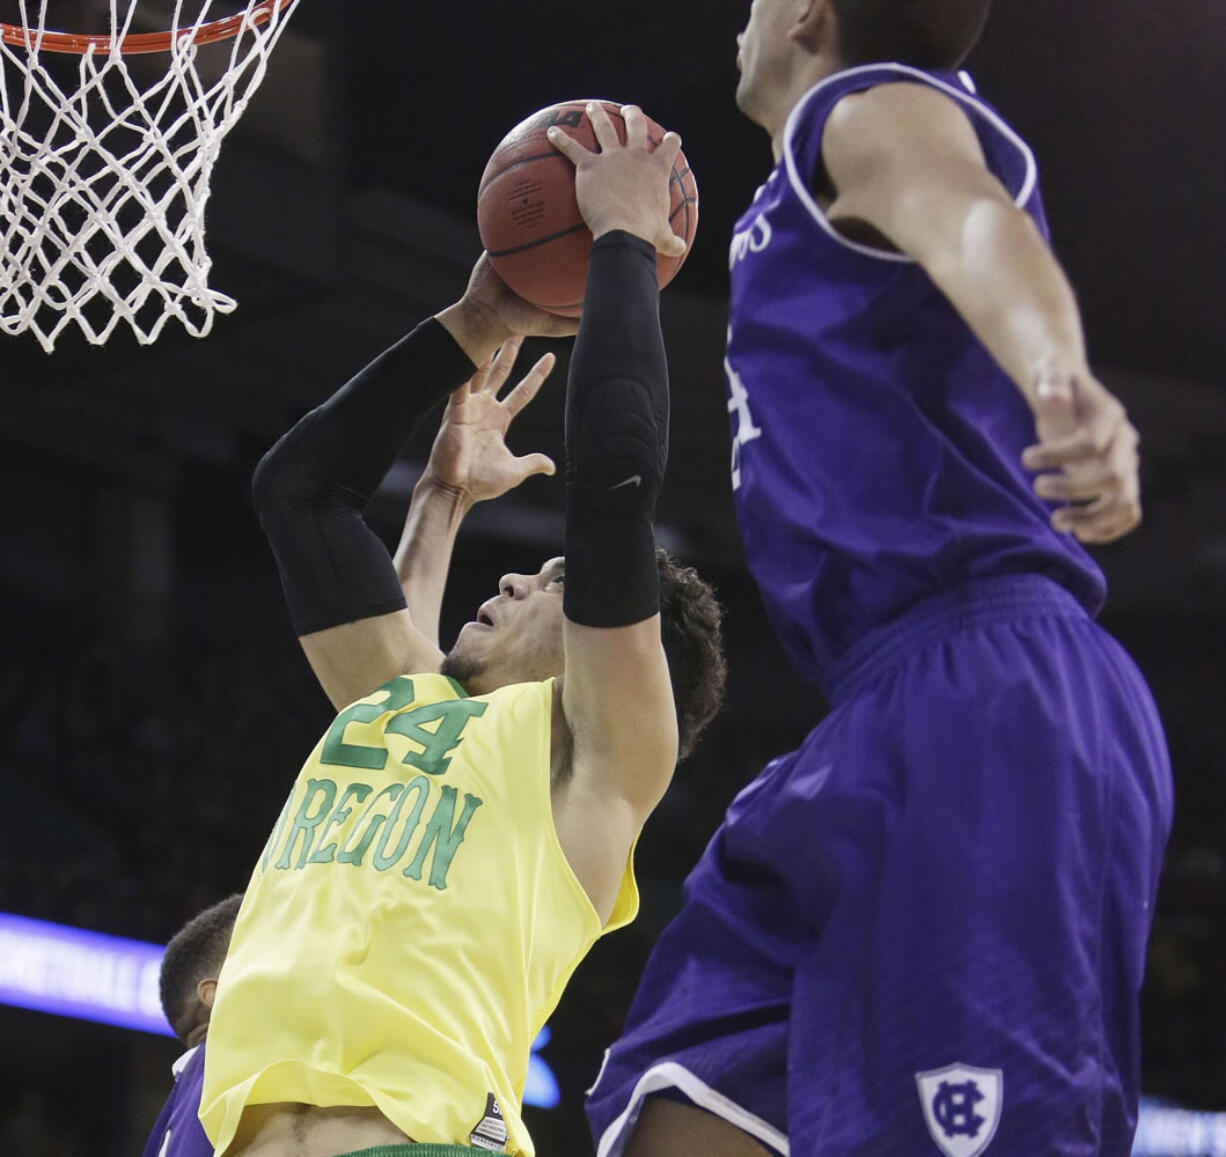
<point>1086,456</point>
<point>624,186</point>
<point>470,456</point>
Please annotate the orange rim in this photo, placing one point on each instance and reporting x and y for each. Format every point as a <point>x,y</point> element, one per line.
<point>142,42</point>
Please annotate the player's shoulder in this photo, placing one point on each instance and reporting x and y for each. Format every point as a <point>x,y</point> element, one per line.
<point>511,700</point>
<point>541,691</point>
<point>403,692</point>
<point>433,686</point>
<point>898,117</point>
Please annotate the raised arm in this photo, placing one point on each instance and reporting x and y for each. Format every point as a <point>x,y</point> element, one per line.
<point>469,463</point>
<point>311,490</point>
<point>616,699</point>
<point>904,159</point>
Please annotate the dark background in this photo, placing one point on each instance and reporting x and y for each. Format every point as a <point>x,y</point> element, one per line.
<point>154,707</point>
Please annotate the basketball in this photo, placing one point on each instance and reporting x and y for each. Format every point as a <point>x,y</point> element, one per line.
<point>529,219</point>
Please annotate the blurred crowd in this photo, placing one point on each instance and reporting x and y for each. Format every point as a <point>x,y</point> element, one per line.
<point>142,788</point>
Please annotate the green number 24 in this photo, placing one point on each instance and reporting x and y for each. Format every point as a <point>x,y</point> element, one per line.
<point>450,715</point>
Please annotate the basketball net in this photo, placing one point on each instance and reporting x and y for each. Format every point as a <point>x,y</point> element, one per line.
<point>105,177</point>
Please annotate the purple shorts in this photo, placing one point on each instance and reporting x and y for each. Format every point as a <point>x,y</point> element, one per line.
<point>925,930</point>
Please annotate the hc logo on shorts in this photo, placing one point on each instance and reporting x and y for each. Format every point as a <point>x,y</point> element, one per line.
<point>962,1107</point>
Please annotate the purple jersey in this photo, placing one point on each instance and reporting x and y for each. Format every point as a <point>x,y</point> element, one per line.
<point>876,443</point>
<point>178,1132</point>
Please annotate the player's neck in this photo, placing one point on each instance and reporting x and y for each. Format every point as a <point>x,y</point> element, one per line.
<point>811,71</point>
<point>196,1036</point>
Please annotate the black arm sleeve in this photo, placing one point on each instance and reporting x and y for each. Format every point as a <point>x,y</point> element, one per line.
<point>312,487</point>
<point>616,439</point>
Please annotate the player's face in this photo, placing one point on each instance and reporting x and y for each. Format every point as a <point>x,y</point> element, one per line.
<point>516,636</point>
<point>759,50</point>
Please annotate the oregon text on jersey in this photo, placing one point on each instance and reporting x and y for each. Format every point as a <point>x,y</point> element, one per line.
<point>396,818</point>
<point>390,821</point>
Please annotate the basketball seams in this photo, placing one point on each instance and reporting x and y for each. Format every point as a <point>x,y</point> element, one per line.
<point>539,241</point>
<point>685,202</point>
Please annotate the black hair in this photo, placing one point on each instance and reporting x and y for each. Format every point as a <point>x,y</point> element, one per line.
<point>195,953</point>
<point>936,34</point>
<point>693,643</point>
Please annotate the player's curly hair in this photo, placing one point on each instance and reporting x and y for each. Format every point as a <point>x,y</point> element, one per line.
<point>693,643</point>
<point>922,33</point>
<point>195,953</point>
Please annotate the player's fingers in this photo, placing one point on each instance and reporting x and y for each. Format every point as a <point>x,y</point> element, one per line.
<point>636,125</point>
<point>1102,520</point>
<point>531,464</point>
<point>1084,485</point>
<point>500,369</point>
<point>477,381</point>
<point>1124,519</point>
<point>669,149</point>
<point>668,243</point>
<point>1107,434</point>
<point>1068,519</point>
<point>1060,452</point>
<point>570,148</point>
<point>527,389</point>
<point>602,126</point>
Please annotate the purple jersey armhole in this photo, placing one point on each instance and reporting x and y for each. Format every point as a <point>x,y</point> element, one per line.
<point>1008,157</point>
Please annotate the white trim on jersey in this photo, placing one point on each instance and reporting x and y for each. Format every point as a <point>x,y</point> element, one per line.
<point>604,1064</point>
<point>671,1075</point>
<point>182,1062</point>
<point>802,190</point>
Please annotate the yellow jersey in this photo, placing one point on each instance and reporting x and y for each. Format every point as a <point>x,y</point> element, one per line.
<point>411,923</point>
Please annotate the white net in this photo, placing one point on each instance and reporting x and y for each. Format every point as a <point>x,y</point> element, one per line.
<point>105,167</point>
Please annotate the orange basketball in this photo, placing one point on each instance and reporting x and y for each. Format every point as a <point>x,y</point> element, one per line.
<point>530,222</point>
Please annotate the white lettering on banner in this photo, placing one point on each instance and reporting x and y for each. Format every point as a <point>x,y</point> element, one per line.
<point>68,971</point>
<point>1168,1131</point>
